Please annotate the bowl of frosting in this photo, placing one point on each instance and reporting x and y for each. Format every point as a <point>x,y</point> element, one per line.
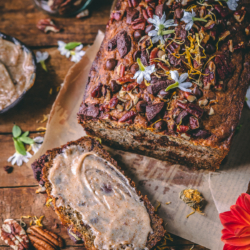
<point>17,71</point>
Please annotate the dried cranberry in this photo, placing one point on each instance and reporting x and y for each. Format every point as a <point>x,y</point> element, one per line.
<point>223,11</point>
<point>141,106</point>
<point>97,91</point>
<point>182,116</point>
<point>110,64</point>
<point>182,129</point>
<point>115,87</point>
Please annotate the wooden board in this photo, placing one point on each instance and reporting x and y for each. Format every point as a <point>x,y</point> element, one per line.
<point>17,190</point>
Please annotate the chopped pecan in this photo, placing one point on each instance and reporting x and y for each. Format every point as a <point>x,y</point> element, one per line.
<point>89,111</point>
<point>14,235</point>
<point>139,24</point>
<point>74,235</point>
<point>153,110</point>
<point>197,92</point>
<point>132,14</point>
<point>97,91</point>
<point>193,122</point>
<point>182,116</point>
<point>153,55</point>
<point>223,11</point>
<point>178,13</point>
<point>126,79</point>
<point>47,25</point>
<point>159,10</point>
<point>210,25</point>
<point>128,117</point>
<point>224,66</point>
<point>195,110</point>
<point>209,79</point>
<point>123,43</point>
<point>239,15</point>
<point>247,30</point>
<point>113,102</point>
<point>160,126</point>
<point>144,57</point>
<point>201,133</point>
<point>44,239</point>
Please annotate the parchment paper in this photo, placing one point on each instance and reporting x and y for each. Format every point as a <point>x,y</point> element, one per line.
<point>161,181</point>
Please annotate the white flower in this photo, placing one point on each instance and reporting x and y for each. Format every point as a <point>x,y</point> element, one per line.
<point>160,24</point>
<point>41,57</point>
<point>232,4</point>
<point>248,97</point>
<point>189,19</point>
<point>179,81</point>
<point>77,54</point>
<point>37,143</point>
<point>144,72</point>
<point>61,48</point>
<point>19,159</point>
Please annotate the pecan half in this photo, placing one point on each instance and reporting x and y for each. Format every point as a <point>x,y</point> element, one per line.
<point>132,14</point>
<point>129,116</point>
<point>47,25</point>
<point>44,239</point>
<point>14,235</point>
<point>223,65</point>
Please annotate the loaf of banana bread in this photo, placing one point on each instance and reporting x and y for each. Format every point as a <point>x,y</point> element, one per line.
<point>95,200</point>
<point>170,79</point>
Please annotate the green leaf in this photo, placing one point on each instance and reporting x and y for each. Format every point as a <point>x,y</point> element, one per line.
<point>141,66</point>
<point>16,131</point>
<point>19,147</point>
<point>25,134</point>
<point>72,45</point>
<point>172,86</point>
<point>44,65</point>
<point>25,139</point>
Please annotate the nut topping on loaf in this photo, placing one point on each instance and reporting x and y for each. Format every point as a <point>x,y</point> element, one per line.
<point>202,40</point>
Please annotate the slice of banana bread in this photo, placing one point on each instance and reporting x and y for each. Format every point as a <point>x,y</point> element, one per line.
<point>170,79</point>
<point>93,197</point>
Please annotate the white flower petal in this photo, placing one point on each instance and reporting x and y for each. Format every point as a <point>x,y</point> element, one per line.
<point>184,89</point>
<point>248,97</point>
<point>163,18</point>
<point>79,47</point>
<point>151,20</point>
<point>186,84</point>
<point>38,139</point>
<point>137,74</point>
<point>156,39</point>
<point>11,157</point>
<point>189,25</point>
<point>152,33</point>
<point>19,161</point>
<point>174,75</point>
<point>183,77</point>
<point>147,77</point>
<point>140,78</point>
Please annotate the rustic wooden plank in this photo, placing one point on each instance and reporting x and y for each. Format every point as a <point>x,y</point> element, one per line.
<point>38,100</point>
<point>27,202</point>
<point>18,18</point>
<point>21,176</point>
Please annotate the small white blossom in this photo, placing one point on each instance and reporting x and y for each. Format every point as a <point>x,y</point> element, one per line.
<point>77,54</point>
<point>189,18</point>
<point>179,81</point>
<point>61,48</point>
<point>144,72</point>
<point>37,143</point>
<point>41,57</point>
<point>19,159</point>
<point>160,24</point>
<point>232,4</point>
<point>248,97</point>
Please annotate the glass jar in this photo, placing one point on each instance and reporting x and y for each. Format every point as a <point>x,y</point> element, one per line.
<point>63,7</point>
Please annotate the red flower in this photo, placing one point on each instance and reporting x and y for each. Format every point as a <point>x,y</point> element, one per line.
<point>236,222</point>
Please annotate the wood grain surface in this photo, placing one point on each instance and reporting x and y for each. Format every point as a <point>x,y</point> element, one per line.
<point>17,190</point>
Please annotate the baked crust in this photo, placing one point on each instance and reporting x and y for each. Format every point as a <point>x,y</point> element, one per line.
<point>225,98</point>
<point>44,163</point>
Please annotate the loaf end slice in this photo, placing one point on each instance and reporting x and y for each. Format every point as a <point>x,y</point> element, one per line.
<point>71,218</point>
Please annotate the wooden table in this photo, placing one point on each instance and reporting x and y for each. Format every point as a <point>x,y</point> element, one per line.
<point>17,190</point>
